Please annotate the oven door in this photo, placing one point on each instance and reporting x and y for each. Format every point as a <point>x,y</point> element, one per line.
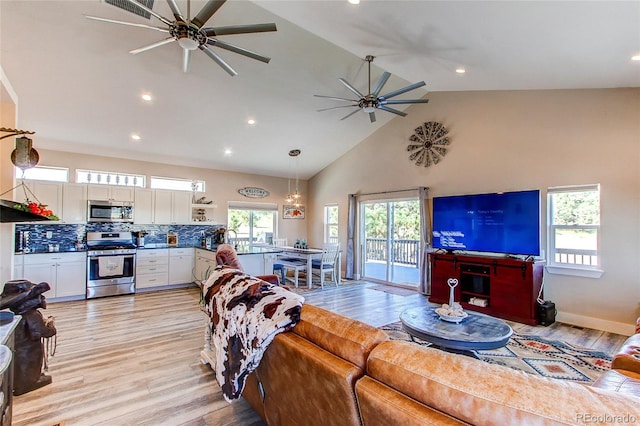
<point>106,269</point>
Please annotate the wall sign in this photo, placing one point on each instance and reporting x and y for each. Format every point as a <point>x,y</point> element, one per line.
<point>253,192</point>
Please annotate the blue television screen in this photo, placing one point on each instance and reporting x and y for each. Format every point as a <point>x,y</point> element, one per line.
<point>507,222</point>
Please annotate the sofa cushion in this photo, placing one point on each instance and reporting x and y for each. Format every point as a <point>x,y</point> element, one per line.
<point>628,358</point>
<point>486,394</point>
<point>626,382</point>
<point>382,406</point>
<point>306,385</point>
<point>347,338</point>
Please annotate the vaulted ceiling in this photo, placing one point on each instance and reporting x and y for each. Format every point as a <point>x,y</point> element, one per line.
<point>79,88</point>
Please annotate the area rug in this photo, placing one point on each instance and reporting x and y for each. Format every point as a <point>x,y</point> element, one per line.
<point>535,355</point>
<point>394,290</point>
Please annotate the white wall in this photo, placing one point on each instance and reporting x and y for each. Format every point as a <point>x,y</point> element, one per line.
<point>516,140</point>
<point>221,187</point>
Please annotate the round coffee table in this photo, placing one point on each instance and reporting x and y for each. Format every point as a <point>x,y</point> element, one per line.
<point>475,332</point>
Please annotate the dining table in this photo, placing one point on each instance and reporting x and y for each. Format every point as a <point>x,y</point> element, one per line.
<point>308,254</point>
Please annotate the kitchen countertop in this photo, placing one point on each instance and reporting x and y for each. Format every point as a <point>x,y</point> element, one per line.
<point>241,250</point>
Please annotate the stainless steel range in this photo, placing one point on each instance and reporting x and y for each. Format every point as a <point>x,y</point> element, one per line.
<point>111,264</point>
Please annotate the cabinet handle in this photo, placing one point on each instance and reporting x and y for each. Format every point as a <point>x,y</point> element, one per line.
<point>152,280</point>
<point>152,269</point>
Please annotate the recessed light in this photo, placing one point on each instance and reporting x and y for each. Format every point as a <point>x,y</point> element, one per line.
<point>460,70</point>
<point>228,151</point>
<point>146,97</point>
<point>135,136</point>
<point>354,1</point>
<point>251,121</point>
<point>635,58</point>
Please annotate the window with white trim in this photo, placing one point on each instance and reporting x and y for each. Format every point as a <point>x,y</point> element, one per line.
<point>96,177</point>
<point>52,174</point>
<point>331,223</point>
<point>574,226</point>
<point>252,223</point>
<point>177,184</point>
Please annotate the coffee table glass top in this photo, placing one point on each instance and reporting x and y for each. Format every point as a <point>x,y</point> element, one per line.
<point>476,332</point>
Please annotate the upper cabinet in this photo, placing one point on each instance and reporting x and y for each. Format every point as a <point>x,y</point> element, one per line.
<point>74,203</point>
<point>143,210</point>
<point>47,193</point>
<point>172,207</point>
<point>110,193</point>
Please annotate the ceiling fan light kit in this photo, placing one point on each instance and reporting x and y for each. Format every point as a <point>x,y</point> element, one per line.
<point>373,100</point>
<point>190,34</point>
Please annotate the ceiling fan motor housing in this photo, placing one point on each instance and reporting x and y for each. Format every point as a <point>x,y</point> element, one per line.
<point>189,37</point>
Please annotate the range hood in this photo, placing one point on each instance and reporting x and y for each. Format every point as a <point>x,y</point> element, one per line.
<point>9,214</point>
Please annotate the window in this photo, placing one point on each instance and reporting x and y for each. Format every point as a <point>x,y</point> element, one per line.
<point>109,178</point>
<point>251,224</point>
<point>177,184</point>
<point>331,224</point>
<point>54,174</point>
<point>574,227</point>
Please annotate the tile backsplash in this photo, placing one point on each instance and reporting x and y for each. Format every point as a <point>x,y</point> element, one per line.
<point>66,236</point>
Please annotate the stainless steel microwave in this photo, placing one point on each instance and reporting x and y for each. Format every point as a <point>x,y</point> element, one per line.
<point>110,211</point>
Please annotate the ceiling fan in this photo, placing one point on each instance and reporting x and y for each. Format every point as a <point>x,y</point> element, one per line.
<point>370,102</point>
<point>190,34</point>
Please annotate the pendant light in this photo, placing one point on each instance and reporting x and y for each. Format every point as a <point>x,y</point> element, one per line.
<point>294,197</point>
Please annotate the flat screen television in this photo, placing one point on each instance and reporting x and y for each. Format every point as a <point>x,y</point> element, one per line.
<point>505,222</point>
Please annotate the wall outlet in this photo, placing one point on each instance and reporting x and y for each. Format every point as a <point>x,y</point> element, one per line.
<point>49,234</point>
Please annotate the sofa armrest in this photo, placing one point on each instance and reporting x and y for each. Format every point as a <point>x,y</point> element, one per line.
<point>628,358</point>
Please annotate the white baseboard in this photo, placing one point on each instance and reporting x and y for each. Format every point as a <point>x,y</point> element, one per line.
<point>596,323</point>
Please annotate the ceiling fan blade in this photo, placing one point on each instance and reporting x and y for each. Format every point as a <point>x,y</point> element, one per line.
<point>207,12</point>
<point>403,90</point>
<point>350,87</point>
<point>210,53</point>
<point>403,101</point>
<point>239,29</point>
<point>154,45</point>
<point>395,111</point>
<point>146,9</point>
<point>186,55</point>
<point>341,106</point>
<point>372,117</point>
<point>131,24</point>
<point>240,50</point>
<point>336,99</point>
<point>383,80</point>
<point>176,10</point>
<point>350,114</point>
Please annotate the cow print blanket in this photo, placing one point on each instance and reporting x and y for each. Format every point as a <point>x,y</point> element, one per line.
<point>246,314</point>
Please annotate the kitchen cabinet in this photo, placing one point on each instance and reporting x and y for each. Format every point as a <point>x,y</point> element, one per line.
<point>66,273</point>
<point>172,207</point>
<point>253,264</point>
<point>205,261</point>
<point>74,203</point>
<point>110,193</point>
<point>143,206</point>
<point>180,265</point>
<point>202,212</point>
<point>152,268</point>
<point>47,193</point>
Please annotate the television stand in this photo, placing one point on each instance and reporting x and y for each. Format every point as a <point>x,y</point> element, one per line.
<point>501,287</point>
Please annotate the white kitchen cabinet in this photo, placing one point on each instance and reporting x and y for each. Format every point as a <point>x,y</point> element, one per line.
<point>202,212</point>
<point>172,207</point>
<point>152,268</point>
<point>111,193</point>
<point>74,203</point>
<point>143,206</point>
<point>47,193</point>
<point>205,261</point>
<point>66,273</point>
<point>253,264</point>
<point>180,265</point>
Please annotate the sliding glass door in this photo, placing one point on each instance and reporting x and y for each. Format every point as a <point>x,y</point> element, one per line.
<point>390,241</point>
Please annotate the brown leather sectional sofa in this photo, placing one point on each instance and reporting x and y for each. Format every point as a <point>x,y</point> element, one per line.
<point>332,370</point>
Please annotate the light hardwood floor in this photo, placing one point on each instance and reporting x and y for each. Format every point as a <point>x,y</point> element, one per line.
<point>134,360</point>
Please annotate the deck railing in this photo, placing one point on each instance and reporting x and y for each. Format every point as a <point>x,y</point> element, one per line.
<point>405,252</point>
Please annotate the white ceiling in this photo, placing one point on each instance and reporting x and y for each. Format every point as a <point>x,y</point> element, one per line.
<point>79,88</point>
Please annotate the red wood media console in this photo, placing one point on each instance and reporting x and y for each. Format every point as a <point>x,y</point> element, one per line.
<point>501,287</point>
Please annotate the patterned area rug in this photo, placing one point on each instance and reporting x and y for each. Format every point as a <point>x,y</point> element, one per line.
<point>535,355</point>
<point>328,285</point>
<point>394,290</point>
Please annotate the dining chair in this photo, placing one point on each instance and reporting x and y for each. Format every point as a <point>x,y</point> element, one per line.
<point>278,268</point>
<point>327,263</point>
<point>296,265</point>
